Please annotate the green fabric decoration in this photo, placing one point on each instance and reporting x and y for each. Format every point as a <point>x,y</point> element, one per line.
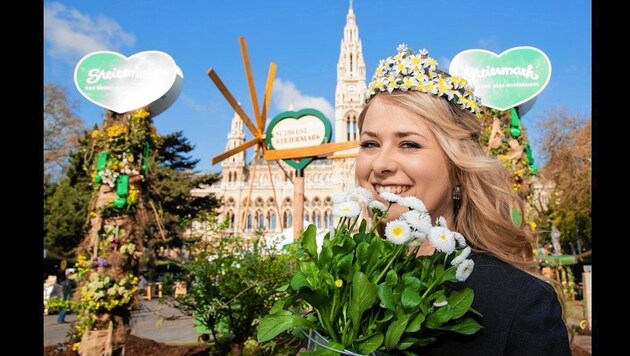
<point>122,185</point>
<point>145,158</point>
<point>516,217</point>
<point>515,123</point>
<point>101,162</point>
<point>119,203</point>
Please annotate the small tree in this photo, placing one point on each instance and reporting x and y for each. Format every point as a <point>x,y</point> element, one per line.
<point>234,282</point>
<point>62,131</point>
<point>566,142</point>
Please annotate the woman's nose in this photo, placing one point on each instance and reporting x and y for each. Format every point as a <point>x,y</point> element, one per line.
<point>384,162</point>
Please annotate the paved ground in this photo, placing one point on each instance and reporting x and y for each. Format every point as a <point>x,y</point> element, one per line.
<point>146,323</point>
<point>175,328</point>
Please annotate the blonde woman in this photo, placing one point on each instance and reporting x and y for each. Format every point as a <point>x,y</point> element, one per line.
<point>419,136</point>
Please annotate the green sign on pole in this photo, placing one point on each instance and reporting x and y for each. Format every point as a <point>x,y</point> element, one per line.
<point>304,128</point>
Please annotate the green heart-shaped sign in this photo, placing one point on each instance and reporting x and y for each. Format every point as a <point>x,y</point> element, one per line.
<point>506,80</point>
<point>115,82</point>
<point>304,128</point>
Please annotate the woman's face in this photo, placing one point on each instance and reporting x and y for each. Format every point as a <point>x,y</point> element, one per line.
<point>399,154</point>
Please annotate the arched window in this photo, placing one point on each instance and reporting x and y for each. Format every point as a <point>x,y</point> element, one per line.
<point>272,221</point>
<point>328,217</point>
<point>250,224</point>
<point>317,219</point>
<point>260,220</point>
<point>351,127</point>
<point>230,219</point>
<point>287,218</point>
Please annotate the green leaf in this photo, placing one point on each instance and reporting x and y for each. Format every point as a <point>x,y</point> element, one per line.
<point>395,331</point>
<point>299,280</point>
<point>273,324</point>
<point>391,278</point>
<point>309,240</point>
<point>344,266</point>
<point>416,342</point>
<point>466,326</point>
<point>449,275</point>
<point>460,301</point>
<point>376,253</point>
<point>386,296</point>
<point>362,253</point>
<point>441,316</point>
<point>364,294</point>
<point>411,282</point>
<point>371,344</point>
<point>410,298</point>
<point>415,323</point>
<point>325,255</point>
<point>281,304</point>
<point>406,343</point>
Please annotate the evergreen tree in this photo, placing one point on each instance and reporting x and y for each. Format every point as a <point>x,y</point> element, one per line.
<point>66,204</point>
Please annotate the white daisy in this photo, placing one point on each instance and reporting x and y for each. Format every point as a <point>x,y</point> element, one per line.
<point>347,209</point>
<point>417,238</point>
<point>377,205</point>
<point>398,231</point>
<point>412,203</point>
<point>361,196</point>
<point>464,270</point>
<point>442,222</point>
<point>442,239</point>
<point>462,256</point>
<point>417,220</point>
<point>461,240</point>
<point>390,197</point>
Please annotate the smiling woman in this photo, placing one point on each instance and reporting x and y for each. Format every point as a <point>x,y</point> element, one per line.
<point>421,135</point>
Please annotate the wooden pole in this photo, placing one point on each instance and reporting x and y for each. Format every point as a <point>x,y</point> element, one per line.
<point>275,198</point>
<point>298,203</point>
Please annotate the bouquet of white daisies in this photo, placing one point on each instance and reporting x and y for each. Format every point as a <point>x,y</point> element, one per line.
<point>363,293</point>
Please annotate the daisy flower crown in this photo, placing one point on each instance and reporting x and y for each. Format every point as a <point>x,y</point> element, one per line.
<point>409,71</point>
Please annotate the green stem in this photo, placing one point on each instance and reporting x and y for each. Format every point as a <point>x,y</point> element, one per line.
<point>435,280</point>
<point>399,248</point>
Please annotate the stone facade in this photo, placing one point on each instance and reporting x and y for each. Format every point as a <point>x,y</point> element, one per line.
<point>259,195</point>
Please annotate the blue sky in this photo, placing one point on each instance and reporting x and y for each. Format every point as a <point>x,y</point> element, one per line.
<point>303,39</point>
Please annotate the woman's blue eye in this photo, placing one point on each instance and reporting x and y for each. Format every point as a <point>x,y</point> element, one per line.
<point>408,144</point>
<point>368,144</point>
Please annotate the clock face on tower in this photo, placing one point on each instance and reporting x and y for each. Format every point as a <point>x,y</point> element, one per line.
<point>350,89</point>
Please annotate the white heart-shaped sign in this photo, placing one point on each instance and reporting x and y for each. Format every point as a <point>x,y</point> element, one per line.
<point>120,84</point>
<point>505,80</point>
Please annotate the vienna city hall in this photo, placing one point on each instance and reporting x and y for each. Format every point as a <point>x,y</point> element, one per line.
<point>259,195</point>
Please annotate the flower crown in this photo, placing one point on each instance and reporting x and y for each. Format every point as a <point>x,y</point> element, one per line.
<point>409,71</point>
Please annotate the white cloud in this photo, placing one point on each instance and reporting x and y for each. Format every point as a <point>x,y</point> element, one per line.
<point>444,63</point>
<point>72,34</point>
<point>489,44</point>
<point>191,103</point>
<point>286,96</point>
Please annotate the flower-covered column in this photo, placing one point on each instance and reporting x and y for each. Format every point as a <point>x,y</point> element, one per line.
<point>504,137</point>
<point>109,257</point>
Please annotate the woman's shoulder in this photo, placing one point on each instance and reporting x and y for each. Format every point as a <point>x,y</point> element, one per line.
<point>501,278</point>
